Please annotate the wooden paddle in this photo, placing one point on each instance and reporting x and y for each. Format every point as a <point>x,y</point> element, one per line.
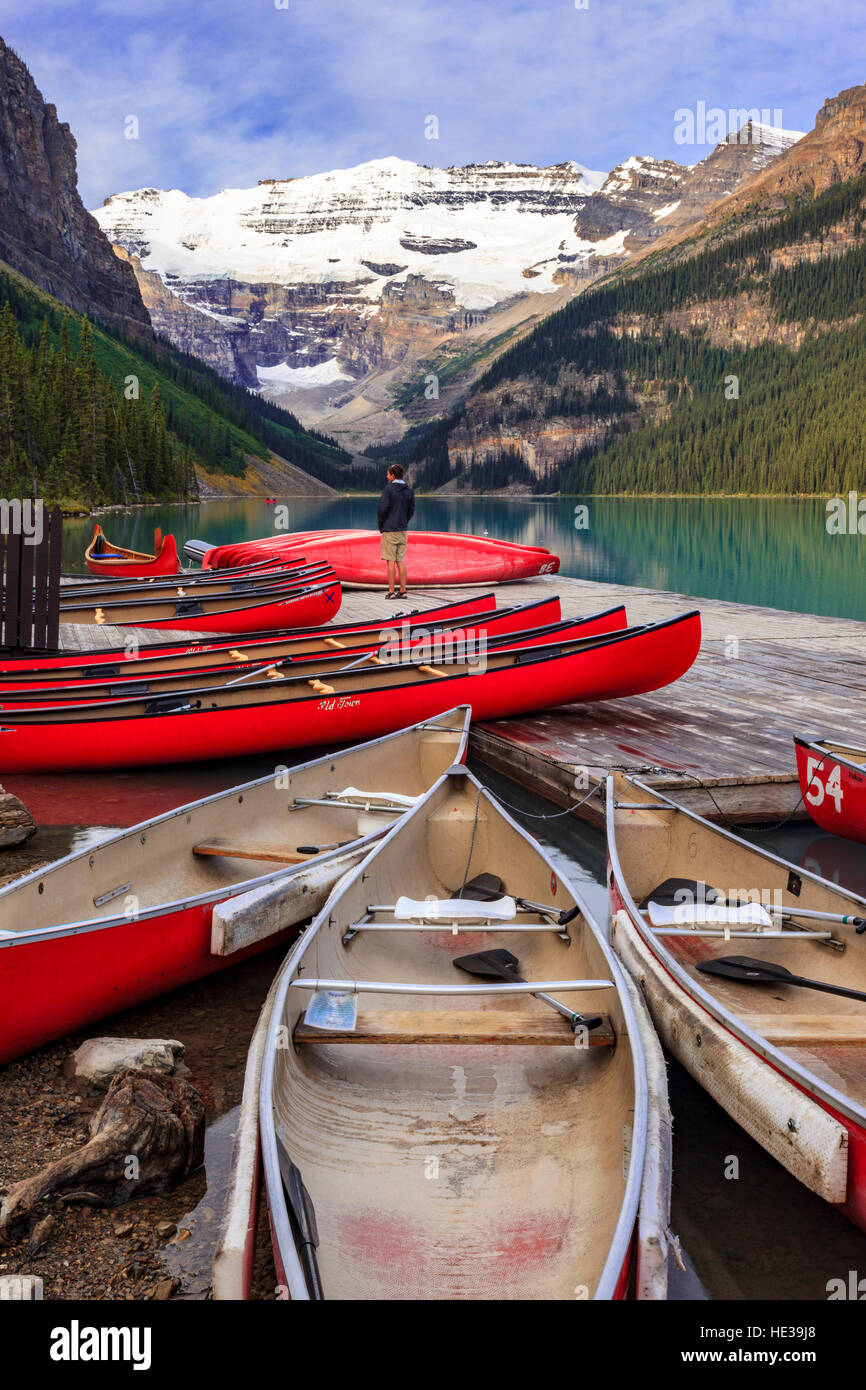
<point>763,972</point>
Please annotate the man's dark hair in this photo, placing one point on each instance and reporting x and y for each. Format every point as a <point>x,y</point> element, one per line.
<point>396,470</point>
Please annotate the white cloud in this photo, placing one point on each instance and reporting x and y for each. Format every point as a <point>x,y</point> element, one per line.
<point>227,93</point>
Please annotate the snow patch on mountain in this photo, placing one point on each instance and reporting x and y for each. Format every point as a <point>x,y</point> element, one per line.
<point>302,378</point>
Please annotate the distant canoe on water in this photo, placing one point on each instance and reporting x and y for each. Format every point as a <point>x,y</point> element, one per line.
<point>438,559</point>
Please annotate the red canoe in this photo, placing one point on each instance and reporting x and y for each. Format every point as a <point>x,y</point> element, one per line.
<point>433,558</point>
<point>132,917</point>
<point>833,782</point>
<point>305,711</point>
<point>158,655</point>
<point>513,627</point>
<point>101,557</point>
<point>285,605</point>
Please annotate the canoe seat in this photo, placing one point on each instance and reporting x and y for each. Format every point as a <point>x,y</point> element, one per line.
<point>493,1027</point>
<point>808,1030</point>
<point>234,849</point>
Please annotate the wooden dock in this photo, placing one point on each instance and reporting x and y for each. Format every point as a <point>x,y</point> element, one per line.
<point>762,675</point>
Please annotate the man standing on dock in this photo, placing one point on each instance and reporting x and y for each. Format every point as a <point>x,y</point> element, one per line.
<point>396,510</point>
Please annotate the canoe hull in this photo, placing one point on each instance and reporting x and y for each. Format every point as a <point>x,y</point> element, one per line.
<point>52,987</point>
<point>655,658</point>
<point>790,1108</point>
<point>432,557</point>
<point>834,791</point>
<point>129,562</point>
<point>112,656</point>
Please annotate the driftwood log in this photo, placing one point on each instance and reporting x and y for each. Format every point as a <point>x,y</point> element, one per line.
<point>147,1133</point>
<point>16,822</point>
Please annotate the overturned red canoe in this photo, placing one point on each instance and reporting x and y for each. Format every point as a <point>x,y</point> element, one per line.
<point>342,707</point>
<point>433,558</point>
<point>833,782</point>
<point>103,558</point>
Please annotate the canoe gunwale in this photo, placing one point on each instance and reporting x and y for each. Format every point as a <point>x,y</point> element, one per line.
<point>788,1066</point>
<point>627,1220</point>
<point>214,641</point>
<point>828,751</point>
<point>224,891</point>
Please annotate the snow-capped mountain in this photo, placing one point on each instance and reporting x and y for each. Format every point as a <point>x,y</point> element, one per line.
<point>329,292</point>
<point>478,228</point>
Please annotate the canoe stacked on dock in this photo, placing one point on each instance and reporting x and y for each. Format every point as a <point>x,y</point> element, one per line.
<point>104,558</point>
<point>433,558</point>
<point>462,1110</point>
<point>417,642</point>
<point>323,704</point>
<point>755,973</point>
<point>138,914</point>
<point>207,650</point>
<point>304,597</point>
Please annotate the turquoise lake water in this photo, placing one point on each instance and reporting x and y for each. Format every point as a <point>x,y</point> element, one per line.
<point>775,552</point>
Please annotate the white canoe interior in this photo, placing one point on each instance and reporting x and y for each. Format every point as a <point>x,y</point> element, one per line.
<point>472,1148</point>
<point>823,1034</point>
<point>225,843</point>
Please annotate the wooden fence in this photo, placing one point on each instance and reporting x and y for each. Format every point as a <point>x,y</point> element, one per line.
<point>30,586</point>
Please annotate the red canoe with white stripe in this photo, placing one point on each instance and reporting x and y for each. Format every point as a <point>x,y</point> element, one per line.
<point>833,782</point>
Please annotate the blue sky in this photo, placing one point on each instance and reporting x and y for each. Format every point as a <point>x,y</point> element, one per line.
<point>230,91</point>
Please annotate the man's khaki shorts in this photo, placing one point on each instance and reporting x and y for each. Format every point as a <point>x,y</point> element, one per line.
<point>393,545</point>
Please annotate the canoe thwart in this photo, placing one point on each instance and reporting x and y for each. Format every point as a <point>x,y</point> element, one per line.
<point>492,1027</point>
<point>233,849</point>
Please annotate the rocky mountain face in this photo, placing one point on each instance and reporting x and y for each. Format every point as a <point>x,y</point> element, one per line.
<point>522,415</point>
<point>46,233</point>
<point>338,293</point>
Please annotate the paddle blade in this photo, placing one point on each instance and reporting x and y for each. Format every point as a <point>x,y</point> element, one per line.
<point>681,890</point>
<point>748,969</point>
<point>498,963</point>
<point>483,888</point>
<point>299,1199</point>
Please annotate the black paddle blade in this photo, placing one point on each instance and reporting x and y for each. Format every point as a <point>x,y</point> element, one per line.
<point>483,888</point>
<point>498,963</point>
<point>681,890</point>
<point>748,969</point>
<point>300,1201</point>
<point>303,1218</point>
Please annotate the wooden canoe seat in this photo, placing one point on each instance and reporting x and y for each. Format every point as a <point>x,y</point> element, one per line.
<point>233,849</point>
<point>809,1030</point>
<point>494,1027</point>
